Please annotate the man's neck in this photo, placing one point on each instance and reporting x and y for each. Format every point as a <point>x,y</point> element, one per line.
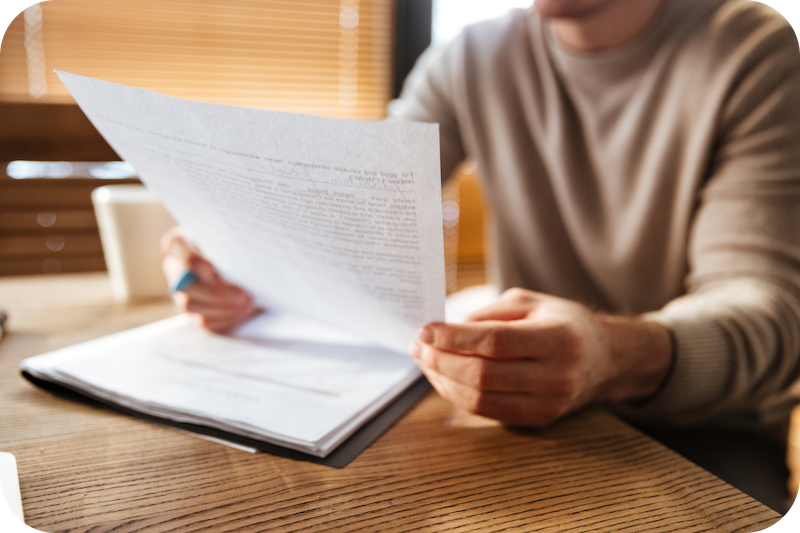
<point>616,24</point>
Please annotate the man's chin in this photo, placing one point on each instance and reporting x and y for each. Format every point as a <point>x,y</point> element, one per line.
<point>575,9</point>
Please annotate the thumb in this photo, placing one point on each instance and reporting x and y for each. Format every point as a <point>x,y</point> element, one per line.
<point>513,304</point>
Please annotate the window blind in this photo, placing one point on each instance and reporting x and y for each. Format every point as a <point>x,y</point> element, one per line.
<point>326,57</point>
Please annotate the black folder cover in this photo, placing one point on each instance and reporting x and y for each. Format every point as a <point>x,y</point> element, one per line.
<point>338,458</point>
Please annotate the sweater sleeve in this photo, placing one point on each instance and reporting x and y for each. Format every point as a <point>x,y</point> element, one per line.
<point>736,331</point>
<point>427,96</point>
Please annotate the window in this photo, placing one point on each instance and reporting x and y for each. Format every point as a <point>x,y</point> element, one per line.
<point>450,16</point>
<point>327,57</point>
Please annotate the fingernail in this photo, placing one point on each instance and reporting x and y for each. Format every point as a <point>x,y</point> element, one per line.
<point>426,335</point>
<point>415,350</point>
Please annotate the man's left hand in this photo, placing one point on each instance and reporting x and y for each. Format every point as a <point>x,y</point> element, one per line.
<point>531,358</point>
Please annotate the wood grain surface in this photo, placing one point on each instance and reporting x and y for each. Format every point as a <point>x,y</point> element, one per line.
<point>438,469</point>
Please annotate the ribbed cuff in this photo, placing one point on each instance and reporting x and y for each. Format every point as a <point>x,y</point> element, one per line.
<point>701,368</point>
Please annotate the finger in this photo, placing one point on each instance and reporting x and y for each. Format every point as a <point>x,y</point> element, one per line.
<point>219,325</point>
<point>509,408</point>
<point>169,235</point>
<point>212,309</point>
<point>432,378</point>
<point>217,294</point>
<point>513,304</point>
<point>474,371</point>
<point>518,375</point>
<point>213,316</point>
<point>498,339</point>
<point>216,312</point>
<point>500,310</point>
<point>175,243</point>
<point>172,267</point>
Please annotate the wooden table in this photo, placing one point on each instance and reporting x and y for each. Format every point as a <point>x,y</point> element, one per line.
<point>439,469</point>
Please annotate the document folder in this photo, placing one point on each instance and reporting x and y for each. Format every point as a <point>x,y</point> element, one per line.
<point>339,458</point>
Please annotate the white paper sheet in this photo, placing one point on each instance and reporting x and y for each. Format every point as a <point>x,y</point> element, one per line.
<point>338,220</point>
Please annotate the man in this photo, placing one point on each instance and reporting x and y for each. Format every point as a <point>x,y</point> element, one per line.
<point>625,144</point>
<point>641,158</point>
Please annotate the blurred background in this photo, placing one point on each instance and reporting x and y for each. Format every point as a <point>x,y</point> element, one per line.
<point>340,58</point>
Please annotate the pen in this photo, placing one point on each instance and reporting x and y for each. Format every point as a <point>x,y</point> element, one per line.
<point>184,281</point>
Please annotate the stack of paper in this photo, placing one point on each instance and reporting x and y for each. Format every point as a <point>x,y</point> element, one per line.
<point>307,392</point>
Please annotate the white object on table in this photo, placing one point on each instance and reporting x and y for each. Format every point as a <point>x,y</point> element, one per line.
<point>131,222</point>
<point>10,483</point>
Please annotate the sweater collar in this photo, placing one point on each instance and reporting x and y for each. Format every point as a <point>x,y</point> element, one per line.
<point>615,64</point>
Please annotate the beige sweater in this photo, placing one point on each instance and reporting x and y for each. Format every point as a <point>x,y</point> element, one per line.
<point>661,177</point>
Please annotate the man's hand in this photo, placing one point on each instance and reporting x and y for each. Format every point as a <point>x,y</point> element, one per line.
<point>213,303</point>
<point>529,358</point>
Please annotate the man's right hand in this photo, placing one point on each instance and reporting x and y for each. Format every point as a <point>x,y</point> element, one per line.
<point>213,303</point>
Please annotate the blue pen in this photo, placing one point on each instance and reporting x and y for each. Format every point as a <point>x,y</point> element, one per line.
<point>184,281</point>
